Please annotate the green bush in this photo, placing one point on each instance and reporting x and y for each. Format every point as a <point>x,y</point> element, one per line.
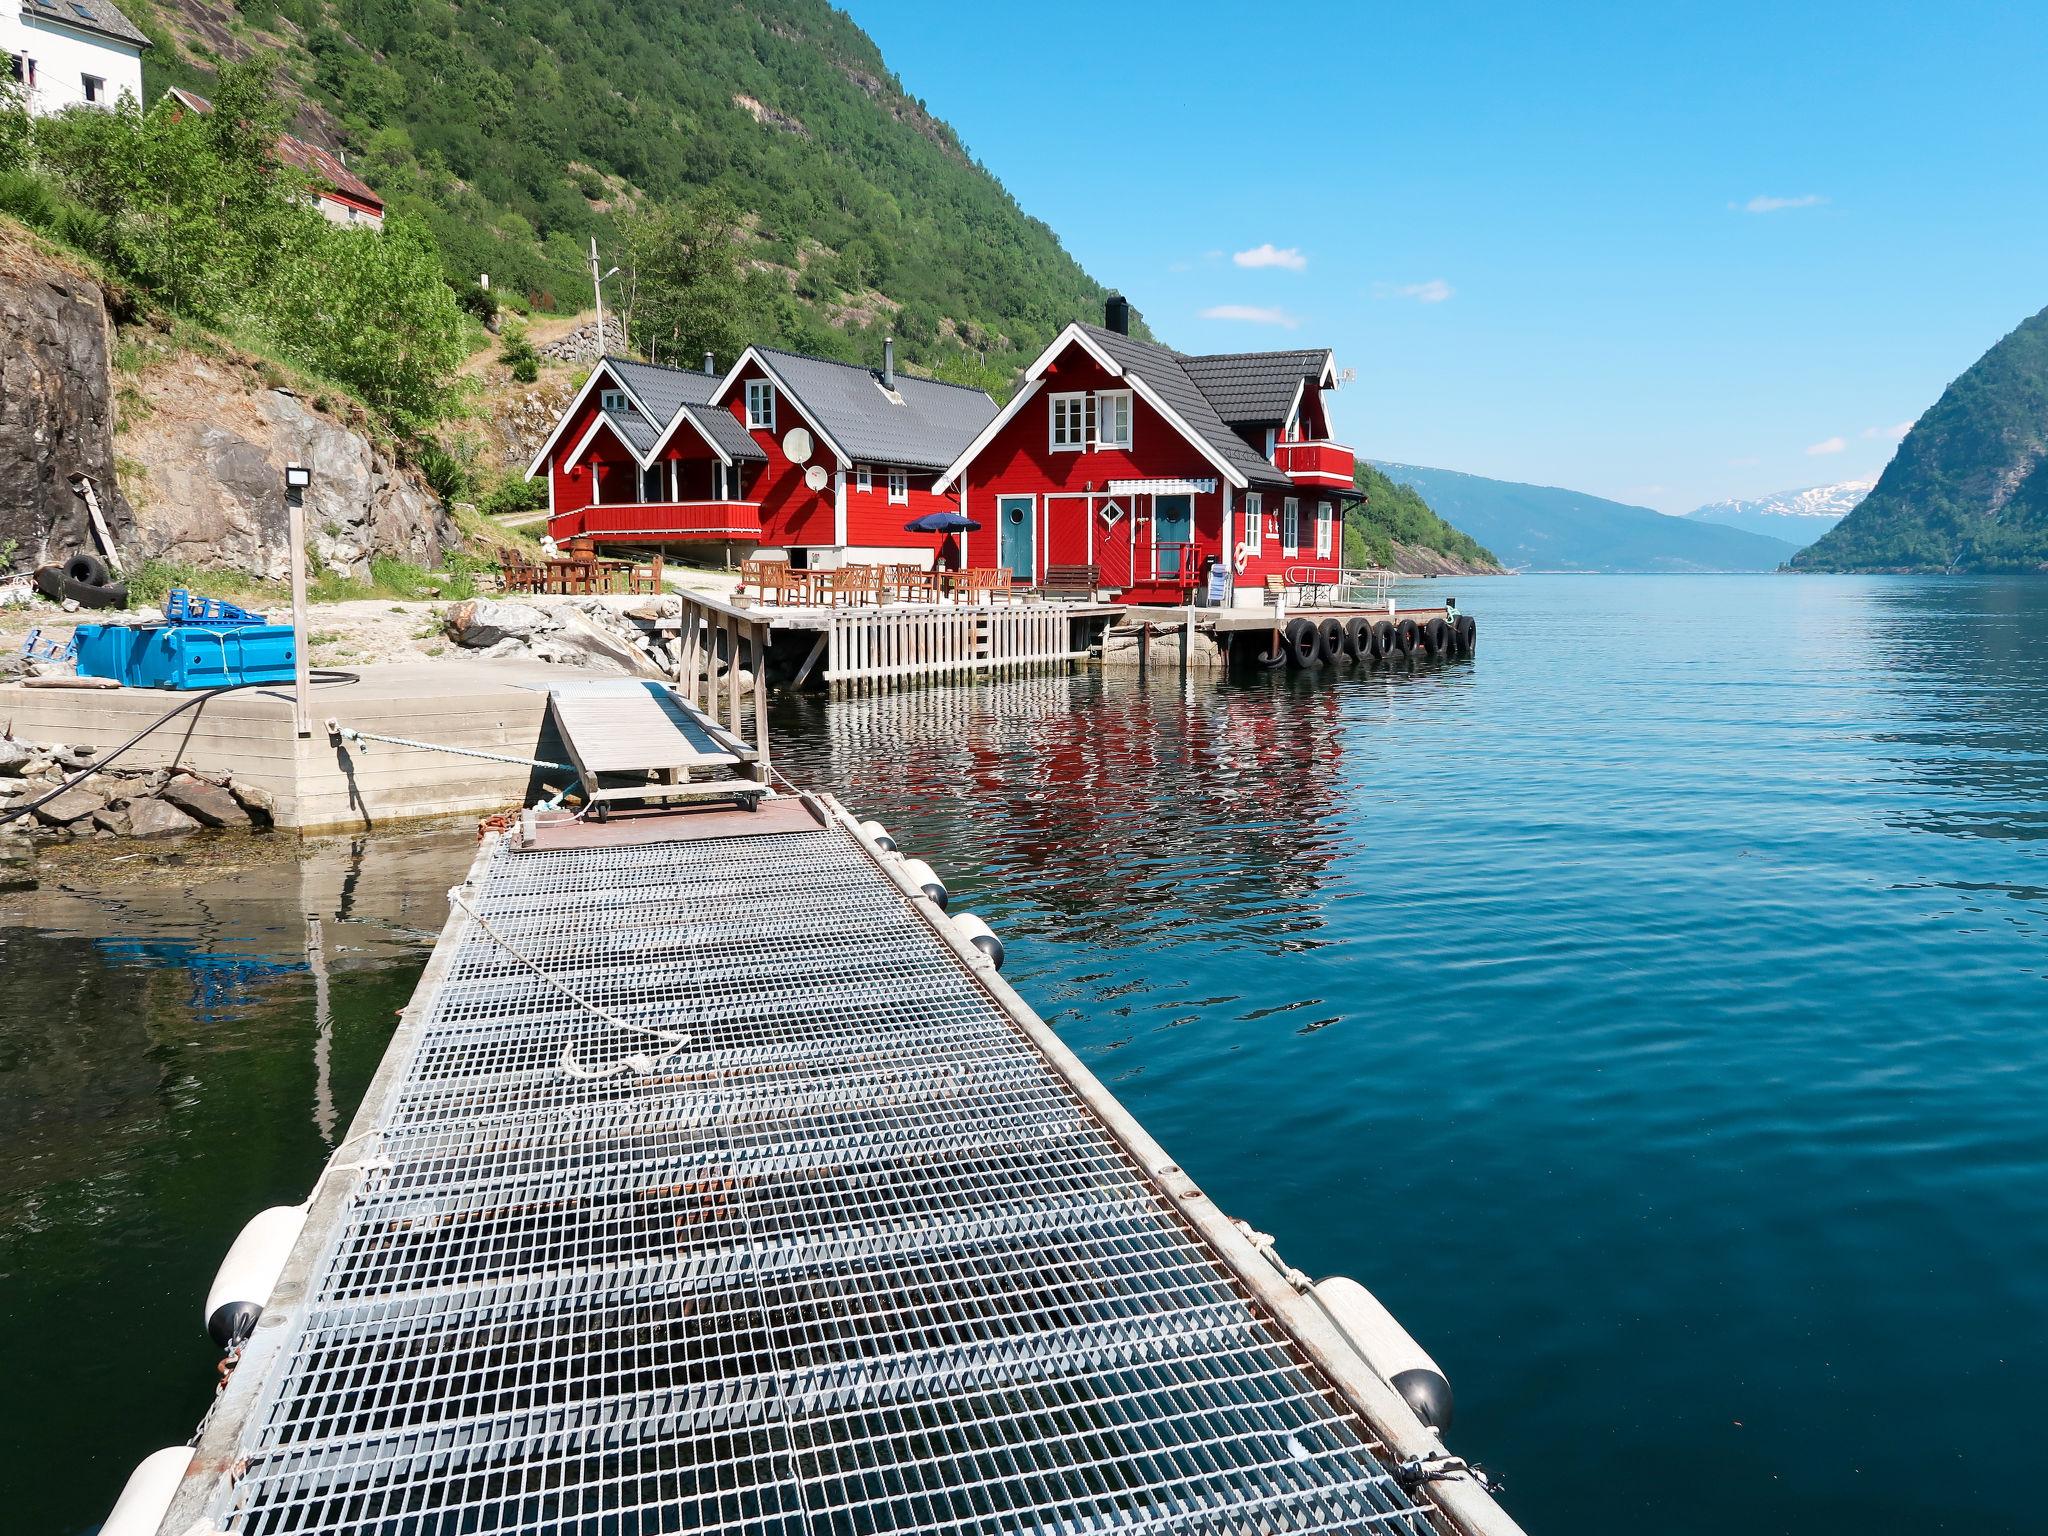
<point>513,495</point>
<point>516,352</point>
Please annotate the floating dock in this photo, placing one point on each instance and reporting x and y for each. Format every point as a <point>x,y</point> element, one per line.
<point>714,1181</point>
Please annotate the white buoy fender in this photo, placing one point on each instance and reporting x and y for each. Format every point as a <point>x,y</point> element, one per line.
<point>1401,1362</point>
<point>924,879</point>
<point>146,1496</point>
<point>979,934</point>
<point>879,836</point>
<point>242,1286</point>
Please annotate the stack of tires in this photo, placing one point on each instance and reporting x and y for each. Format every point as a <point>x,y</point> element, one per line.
<point>85,580</point>
<point>1307,644</point>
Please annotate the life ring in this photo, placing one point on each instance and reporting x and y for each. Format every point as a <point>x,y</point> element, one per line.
<point>1241,557</point>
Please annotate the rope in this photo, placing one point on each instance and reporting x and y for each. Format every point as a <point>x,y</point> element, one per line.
<point>642,1063</point>
<point>350,733</point>
<point>1417,1470</point>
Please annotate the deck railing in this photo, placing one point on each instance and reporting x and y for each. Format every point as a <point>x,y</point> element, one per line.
<point>714,634</point>
<point>644,520</point>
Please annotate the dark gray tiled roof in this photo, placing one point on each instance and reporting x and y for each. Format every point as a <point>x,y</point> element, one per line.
<point>634,428</point>
<point>101,16</point>
<point>1255,388</point>
<point>1166,372</point>
<point>928,430</point>
<point>664,391</point>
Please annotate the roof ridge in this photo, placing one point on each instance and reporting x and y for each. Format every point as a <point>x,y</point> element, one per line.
<point>873,373</point>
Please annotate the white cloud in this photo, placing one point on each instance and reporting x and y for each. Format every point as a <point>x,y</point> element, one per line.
<point>1827,445</point>
<point>1270,255</point>
<point>1252,314</point>
<point>1779,204</point>
<point>1435,291</point>
<point>1890,434</point>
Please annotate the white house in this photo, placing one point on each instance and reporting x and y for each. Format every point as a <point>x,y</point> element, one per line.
<point>68,53</point>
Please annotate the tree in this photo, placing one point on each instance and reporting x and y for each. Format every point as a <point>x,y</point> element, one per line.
<point>14,125</point>
<point>370,311</point>
<point>686,291</point>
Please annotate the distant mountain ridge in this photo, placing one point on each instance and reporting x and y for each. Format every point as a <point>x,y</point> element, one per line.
<point>1798,517</point>
<point>1967,490</point>
<point>1547,528</point>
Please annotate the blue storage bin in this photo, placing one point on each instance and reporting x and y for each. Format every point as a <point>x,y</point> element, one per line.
<point>192,656</point>
<point>106,650</point>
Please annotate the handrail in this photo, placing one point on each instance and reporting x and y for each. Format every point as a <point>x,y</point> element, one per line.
<point>701,620</point>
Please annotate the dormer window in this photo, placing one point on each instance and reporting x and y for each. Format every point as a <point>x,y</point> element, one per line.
<point>760,406</point>
<point>613,400</point>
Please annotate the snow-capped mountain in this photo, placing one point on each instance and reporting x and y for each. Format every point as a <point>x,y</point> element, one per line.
<point>1798,517</point>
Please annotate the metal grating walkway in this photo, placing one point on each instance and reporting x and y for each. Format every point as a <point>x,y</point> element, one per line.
<point>856,1259</point>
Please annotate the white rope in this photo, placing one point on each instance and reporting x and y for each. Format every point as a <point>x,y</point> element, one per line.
<point>350,733</point>
<point>641,1063</point>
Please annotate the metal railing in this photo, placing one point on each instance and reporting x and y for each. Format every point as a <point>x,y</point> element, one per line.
<point>1338,587</point>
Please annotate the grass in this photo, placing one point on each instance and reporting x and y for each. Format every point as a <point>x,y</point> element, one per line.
<point>398,580</point>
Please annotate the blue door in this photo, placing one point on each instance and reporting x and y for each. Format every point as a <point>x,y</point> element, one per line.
<point>1173,526</point>
<point>1014,540</point>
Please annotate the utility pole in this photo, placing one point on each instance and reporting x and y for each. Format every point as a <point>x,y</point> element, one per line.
<point>597,282</point>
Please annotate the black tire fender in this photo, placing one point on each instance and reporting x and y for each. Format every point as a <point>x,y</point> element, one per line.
<point>1304,642</point>
<point>1436,634</point>
<point>1359,639</point>
<point>1336,641</point>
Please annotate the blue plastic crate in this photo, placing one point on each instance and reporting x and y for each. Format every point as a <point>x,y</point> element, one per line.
<point>106,650</point>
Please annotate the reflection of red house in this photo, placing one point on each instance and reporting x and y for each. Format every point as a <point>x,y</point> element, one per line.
<point>1150,465</point>
<point>340,194</point>
<point>782,454</point>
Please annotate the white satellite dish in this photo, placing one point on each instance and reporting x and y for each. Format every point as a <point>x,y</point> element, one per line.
<point>815,477</point>
<point>796,445</point>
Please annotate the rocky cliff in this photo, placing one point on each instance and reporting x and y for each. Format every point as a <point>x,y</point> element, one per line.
<point>56,406</point>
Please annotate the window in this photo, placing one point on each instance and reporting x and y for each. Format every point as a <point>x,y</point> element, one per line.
<point>1272,444</point>
<point>650,483</point>
<point>760,406</point>
<point>899,486</point>
<point>863,477</point>
<point>95,87</point>
<point>1290,526</point>
<point>1111,514</point>
<point>82,13</point>
<point>1322,530</point>
<point>1113,419</point>
<point>1073,419</point>
<point>1255,522</point>
<point>613,400</point>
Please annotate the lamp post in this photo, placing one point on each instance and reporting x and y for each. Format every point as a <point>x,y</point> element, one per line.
<point>296,478</point>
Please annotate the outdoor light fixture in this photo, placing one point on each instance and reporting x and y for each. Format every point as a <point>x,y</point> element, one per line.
<point>297,476</point>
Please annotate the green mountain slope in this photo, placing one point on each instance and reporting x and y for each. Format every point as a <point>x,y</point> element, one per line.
<point>1966,491</point>
<point>1397,530</point>
<point>1544,528</point>
<point>519,129</point>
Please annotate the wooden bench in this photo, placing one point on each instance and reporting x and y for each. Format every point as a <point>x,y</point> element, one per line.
<point>1072,583</point>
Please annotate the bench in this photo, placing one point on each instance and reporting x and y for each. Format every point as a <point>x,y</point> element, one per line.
<point>1072,583</point>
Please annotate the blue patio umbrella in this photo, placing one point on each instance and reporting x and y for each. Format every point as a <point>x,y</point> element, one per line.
<point>942,522</point>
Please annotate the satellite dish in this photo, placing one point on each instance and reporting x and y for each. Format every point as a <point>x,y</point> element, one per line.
<point>815,477</point>
<point>796,445</point>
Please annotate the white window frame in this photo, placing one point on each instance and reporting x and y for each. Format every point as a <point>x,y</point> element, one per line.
<point>613,400</point>
<point>1070,422</point>
<point>1120,402</point>
<point>1290,527</point>
<point>1323,521</point>
<point>760,405</point>
<point>863,477</point>
<point>1254,522</point>
<point>899,487</point>
<point>1272,445</point>
<point>94,88</point>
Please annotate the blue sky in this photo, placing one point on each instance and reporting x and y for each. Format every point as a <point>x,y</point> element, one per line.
<point>1664,256</point>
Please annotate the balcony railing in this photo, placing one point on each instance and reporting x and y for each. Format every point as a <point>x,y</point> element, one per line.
<point>1322,464</point>
<point>641,521</point>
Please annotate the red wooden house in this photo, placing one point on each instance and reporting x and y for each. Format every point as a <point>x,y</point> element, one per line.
<point>782,455</point>
<point>1151,465</point>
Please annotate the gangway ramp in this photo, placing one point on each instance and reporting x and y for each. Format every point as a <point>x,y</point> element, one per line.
<point>714,1183</point>
<point>645,734</point>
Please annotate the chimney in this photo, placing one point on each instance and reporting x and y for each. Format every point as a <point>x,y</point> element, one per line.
<point>1116,314</point>
<point>710,363</point>
<point>888,362</point>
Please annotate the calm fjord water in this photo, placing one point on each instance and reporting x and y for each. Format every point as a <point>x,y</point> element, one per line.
<point>1649,1011</point>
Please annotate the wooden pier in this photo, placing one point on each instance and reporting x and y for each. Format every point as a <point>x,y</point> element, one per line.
<point>715,1182</point>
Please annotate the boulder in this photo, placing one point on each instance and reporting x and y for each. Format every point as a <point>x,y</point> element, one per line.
<point>15,758</point>
<point>158,818</point>
<point>483,622</point>
<point>205,802</point>
<point>257,801</point>
<point>113,817</point>
<point>72,805</point>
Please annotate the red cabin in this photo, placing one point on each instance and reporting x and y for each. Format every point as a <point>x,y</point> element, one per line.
<point>1151,465</point>
<point>820,462</point>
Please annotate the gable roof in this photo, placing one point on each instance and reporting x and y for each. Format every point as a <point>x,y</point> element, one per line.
<point>933,422</point>
<point>1167,373</point>
<point>101,16</point>
<point>667,393</point>
<point>325,166</point>
<point>1257,388</point>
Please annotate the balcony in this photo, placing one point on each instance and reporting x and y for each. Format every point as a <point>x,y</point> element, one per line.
<point>648,522</point>
<point>1318,465</point>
